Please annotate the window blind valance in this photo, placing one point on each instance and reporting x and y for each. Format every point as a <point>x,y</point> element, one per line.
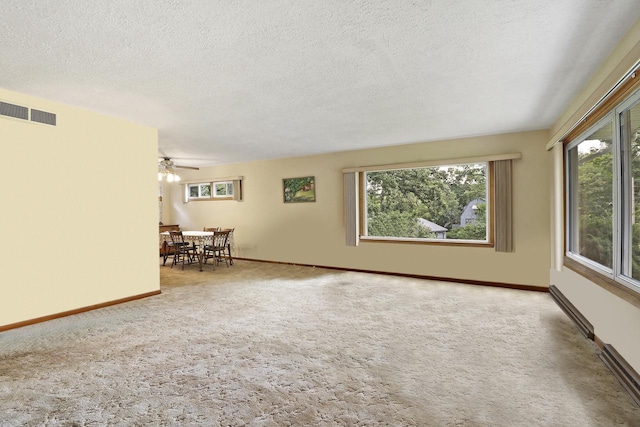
<point>218,179</point>
<point>439,162</point>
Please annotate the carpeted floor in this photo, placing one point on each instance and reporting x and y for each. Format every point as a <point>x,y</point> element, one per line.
<point>270,345</point>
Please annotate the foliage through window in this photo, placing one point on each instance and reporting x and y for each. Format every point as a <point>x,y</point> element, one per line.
<point>199,191</point>
<point>443,203</point>
<point>220,190</point>
<point>591,166</point>
<point>603,195</point>
<point>223,189</point>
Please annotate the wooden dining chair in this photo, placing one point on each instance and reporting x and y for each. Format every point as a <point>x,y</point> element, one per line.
<point>229,239</point>
<point>182,250</point>
<point>209,254</point>
<point>216,250</point>
<point>167,250</point>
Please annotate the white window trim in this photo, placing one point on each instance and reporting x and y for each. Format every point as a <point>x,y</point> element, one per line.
<point>235,181</point>
<point>199,196</point>
<point>226,187</point>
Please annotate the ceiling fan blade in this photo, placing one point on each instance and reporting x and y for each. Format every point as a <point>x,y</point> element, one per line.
<point>186,167</point>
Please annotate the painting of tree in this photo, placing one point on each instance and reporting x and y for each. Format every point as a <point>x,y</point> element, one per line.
<point>297,190</point>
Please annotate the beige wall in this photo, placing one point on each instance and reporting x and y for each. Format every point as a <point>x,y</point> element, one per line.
<point>313,233</point>
<point>615,321</point>
<point>74,196</point>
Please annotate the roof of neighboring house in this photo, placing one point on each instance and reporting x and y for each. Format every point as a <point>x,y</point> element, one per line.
<point>431,225</point>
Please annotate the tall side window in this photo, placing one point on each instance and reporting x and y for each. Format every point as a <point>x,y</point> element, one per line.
<point>629,119</point>
<point>591,196</point>
<point>442,203</point>
<point>603,196</point>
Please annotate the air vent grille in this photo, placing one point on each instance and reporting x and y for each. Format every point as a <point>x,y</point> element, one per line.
<point>12,110</point>
<point>43,117</point>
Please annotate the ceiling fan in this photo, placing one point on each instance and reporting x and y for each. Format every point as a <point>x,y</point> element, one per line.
<point>167,170</point>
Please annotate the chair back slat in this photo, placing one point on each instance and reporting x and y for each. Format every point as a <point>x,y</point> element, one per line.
<point>220,238</point>
<point>182,251</point>
<point>176,236</point>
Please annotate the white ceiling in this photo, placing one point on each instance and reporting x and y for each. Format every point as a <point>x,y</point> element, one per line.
<point>231,81</point>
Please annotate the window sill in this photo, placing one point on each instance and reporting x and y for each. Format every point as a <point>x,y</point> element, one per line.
<point>607,283</point>
<point>209,199</point>
<point>435,242</point>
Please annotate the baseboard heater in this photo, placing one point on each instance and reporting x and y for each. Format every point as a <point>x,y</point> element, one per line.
<point>627,376</point>
<point>583,324</point>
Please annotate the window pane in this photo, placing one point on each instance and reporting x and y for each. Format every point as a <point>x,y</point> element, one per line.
<point>445,202</point>
<point>221,189</point>
<point>229,189</point>
<point>193,191</point>
<point>631,138</point>
<point>205,190</point>
<point>591,192</point>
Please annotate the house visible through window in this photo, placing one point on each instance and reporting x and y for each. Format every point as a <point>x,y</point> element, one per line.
<point>441,203</point>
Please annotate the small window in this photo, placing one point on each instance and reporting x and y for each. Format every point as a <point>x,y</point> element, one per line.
<point>200,191</point>
<point>214,190</point>
<point>223,189</point>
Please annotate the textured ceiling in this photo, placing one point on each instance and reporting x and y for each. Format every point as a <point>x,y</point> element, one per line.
<point>230,81</point>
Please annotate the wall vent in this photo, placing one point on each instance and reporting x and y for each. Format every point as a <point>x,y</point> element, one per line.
<point>627,376</point>
<point>583,324</point>
<point>43,117</point>
<point>12,110</point>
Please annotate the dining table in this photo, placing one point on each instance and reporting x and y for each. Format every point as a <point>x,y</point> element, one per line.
<point>197,238</point>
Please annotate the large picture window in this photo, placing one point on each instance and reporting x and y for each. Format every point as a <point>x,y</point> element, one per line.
<point>603,195</point>
<point>439,204</point>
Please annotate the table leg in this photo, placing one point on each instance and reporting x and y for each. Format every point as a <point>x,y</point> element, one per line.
<point>200,258</point>
<point>200,251</point>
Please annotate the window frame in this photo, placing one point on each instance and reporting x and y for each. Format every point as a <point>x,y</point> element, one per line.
<point>489,196</point>
<point>227,195</point>
<point>211,196</point>
<point>199,185</point>
<point>571,214</point>
<point>615,279</point>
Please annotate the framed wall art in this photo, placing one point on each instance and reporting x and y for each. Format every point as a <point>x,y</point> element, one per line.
<point>299,190</point>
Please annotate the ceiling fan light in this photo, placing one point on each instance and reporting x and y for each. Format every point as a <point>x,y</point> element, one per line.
<point>166,170</point>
